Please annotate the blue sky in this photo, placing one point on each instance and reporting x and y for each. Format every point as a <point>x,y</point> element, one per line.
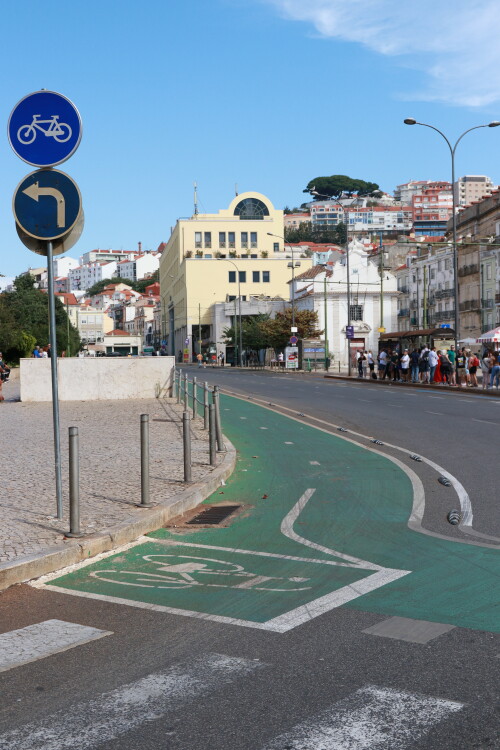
<point>267,94</point>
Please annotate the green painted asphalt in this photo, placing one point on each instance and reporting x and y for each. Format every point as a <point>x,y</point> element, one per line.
<point>360,508</point>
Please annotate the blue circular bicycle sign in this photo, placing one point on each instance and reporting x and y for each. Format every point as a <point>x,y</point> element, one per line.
<point>44,129</point>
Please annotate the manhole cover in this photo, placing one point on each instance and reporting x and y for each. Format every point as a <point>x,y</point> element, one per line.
<point>213,515</point>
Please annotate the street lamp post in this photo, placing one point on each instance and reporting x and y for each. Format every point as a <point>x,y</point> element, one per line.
<point>239,307</point>
<point>346,223</point>
<point>493,124</point>
<point>293,266</point>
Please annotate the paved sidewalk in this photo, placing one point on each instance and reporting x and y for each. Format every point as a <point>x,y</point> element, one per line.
<point>109,475</point>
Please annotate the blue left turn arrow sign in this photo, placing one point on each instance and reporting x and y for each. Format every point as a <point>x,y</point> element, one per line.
<point>47,204</point>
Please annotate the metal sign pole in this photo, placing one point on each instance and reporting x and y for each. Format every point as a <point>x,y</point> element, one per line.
<point>53,369</point>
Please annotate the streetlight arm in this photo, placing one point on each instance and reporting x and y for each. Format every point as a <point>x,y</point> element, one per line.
<point>476,127</point>
<point>452,148</point>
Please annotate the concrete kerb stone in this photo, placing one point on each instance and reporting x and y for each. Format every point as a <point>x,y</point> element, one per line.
<point>420,386</point>
<point>55,558</point>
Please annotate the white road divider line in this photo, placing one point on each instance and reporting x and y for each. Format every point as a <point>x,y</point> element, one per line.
<point>92,723</point>
<point>18,647</point>
<point>372,717</point>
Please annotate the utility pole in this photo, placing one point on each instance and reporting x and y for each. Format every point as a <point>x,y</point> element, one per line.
<point>67,315</point>
<point>199,327</point>
<point>381,271</point>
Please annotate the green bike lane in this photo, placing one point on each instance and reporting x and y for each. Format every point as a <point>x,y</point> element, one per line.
<point>324,524</point>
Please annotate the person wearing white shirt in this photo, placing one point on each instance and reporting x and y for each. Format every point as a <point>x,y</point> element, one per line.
<point>405,366</point>
<point>433,361</point>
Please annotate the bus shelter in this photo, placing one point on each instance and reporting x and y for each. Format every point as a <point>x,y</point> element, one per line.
<point>441,338</point>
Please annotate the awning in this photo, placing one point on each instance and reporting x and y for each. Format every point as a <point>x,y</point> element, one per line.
<point>444,333</point>
<point>490,337</point>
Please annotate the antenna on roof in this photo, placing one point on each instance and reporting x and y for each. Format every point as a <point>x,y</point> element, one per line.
<point>195,198</point>
<point>236,189</point>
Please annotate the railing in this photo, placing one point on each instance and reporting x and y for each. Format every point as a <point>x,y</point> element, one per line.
<point>467,270</point>
<point>404,313</point>
<point>185,394</point>
<point>488,304</point>
<point>404,289</point>
<point>469,304</point>
<point>444,315</point>
<point>444,293</point>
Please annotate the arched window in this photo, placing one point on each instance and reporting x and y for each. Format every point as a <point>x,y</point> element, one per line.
<point>251,208</point>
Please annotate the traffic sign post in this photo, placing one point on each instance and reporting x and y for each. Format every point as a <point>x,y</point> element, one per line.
<point>44,129</point>
<point>293,340</point>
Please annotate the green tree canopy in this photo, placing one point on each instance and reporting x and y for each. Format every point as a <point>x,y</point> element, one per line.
<point>339,184</point>
<point>306,232</point>
<point>24,321</point>
<point>277,330</point>
<point>252,335</point>
<point>137,286</point>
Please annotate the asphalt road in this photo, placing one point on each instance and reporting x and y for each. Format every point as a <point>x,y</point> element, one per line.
<point>156,680</point>
<point>458,430</point>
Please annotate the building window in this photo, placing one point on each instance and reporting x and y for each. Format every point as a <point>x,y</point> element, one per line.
<point>356,312</point>
<point>208,239</point>
<point>222,239</point>
<point>256,276</point>
<point>231,239</point>
<point>232,277</point>
<point>243,277</point>
<point>253,239</point>
<point>447,264</point>
<point>251,208</point>
<point>231,297</point>
<point>276,247</point>
<point>197,239</point>
<point>266,276</point>
<point>488,272</point>
<point>244,239</point>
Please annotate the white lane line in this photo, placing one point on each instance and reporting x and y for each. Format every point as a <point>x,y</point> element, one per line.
<point>315,463</point>
<point>440,397</point>
<point>484,421</point>
<point>242,417</point>
<point>92,723</point>
<point>438,413</point>
<point>287,442</point>
<point>18,647</point>
<point>263,428</point>
<point>372,717</point>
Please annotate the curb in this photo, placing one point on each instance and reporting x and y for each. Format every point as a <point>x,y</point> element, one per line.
<point>490,393</point>
<point>74,551</point>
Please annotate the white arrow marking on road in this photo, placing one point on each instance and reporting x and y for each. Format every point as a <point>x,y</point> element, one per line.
<point>35,191</point>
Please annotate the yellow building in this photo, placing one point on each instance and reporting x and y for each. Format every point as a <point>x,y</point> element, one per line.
<point>213,258</point>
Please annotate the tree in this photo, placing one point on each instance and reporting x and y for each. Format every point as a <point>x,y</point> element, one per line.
<point>277,330</point>
<point>137,286</point>
<point>307,232</point>
<point>253,337</point>
<point>339,184</point>
<point>24,321</point>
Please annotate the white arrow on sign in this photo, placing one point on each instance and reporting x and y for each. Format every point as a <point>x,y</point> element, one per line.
<point>35,191</point>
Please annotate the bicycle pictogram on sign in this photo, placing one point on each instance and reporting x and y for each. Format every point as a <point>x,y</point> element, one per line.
<point>60,131</point>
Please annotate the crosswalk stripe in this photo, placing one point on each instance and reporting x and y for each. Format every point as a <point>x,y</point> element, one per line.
<point>43,639</point>
<point>372,717</point>
<point>92,723</point>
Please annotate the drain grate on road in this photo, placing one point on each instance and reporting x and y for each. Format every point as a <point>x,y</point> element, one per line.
<point>213,515</point>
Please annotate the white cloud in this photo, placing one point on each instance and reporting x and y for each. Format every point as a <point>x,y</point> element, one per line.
<point>454,42</point>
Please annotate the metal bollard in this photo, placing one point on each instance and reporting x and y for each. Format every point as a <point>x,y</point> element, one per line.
<point>205,406</point>
<point>145,502</point>
<point>179,387</point>
<point>212,435</point>
<point>186,436</point>
<point>218,429</point>
<point>194,396</point>
<point>186,391</point>
<point>74,484</point>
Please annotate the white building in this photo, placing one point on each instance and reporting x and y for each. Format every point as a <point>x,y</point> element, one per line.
<point>104,256</point>
<point>325,292</point>
<point>363,219</point>
<point>139,267</point>
<point>472,187</point>
<point>84,276</point>
<point>63,265</point>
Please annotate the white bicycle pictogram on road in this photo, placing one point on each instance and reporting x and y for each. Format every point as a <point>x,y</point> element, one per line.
<point>59,131</point>
<point>188,571</point>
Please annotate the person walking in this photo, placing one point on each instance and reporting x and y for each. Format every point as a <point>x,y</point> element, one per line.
<point>451,356</point>
<point>382,363</point>
<point>445,365</point>
<point>199,357</point>
<point>361,364</point>
<point>371,363</point>
<point>423,365</point>
<point>485,368</point>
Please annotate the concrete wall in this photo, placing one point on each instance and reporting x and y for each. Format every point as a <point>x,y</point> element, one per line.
<point>97,378</point>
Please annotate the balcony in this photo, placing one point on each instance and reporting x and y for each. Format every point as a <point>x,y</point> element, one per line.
<point>444,293</point>
<point>444,315</point>
<point>404,313</point>
<point>487,304</point>
<point>468,270</point>
<point>469,304</point>
<point>404,289</point>
<point>414,321</point>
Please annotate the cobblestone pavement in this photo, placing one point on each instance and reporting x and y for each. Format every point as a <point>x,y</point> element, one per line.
<point>110,482</point>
